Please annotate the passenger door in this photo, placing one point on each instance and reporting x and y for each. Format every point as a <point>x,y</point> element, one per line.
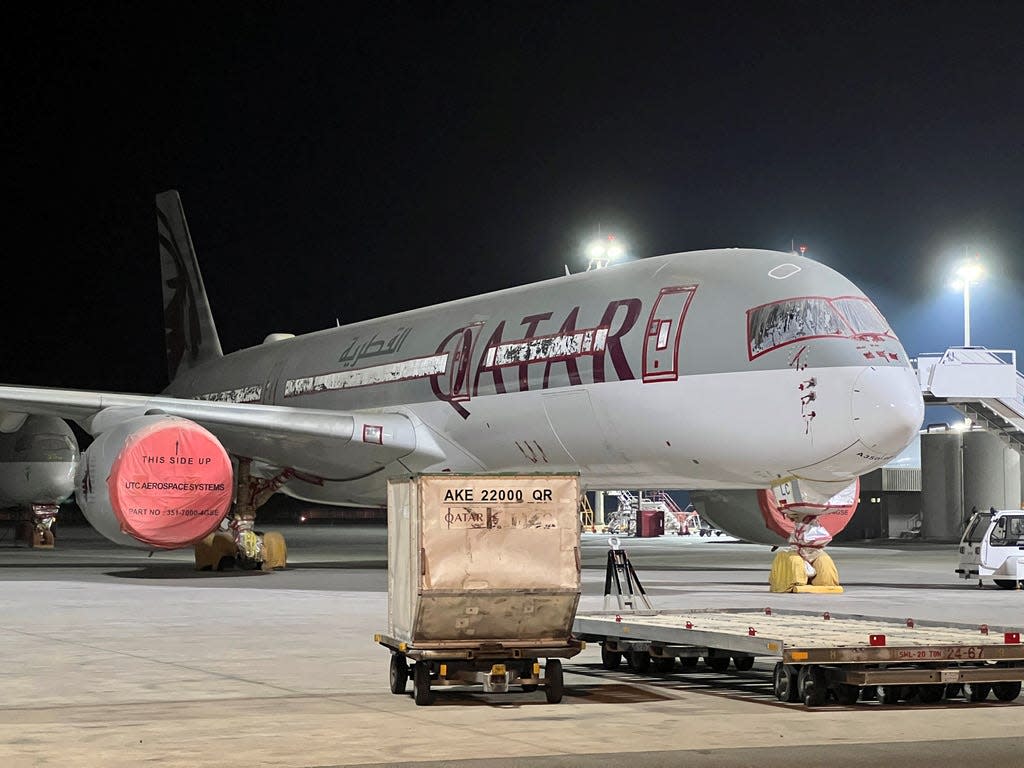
<point>664,332</point>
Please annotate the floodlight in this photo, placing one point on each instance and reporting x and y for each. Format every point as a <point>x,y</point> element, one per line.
<point>596,249</point>
<point>969,271</point>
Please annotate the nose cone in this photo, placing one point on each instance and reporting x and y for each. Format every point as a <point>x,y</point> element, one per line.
<point>887,409</point>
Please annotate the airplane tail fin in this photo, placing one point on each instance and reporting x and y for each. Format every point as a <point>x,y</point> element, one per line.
<point>191,336</point>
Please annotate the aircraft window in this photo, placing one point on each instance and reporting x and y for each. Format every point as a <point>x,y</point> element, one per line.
<point>53,443</point>
<point>42,442</point>
<point>666,326</point>
<point>773,325</point>
<point>861,315</point>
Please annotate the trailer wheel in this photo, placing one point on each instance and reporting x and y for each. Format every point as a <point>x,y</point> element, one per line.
<point>784,684</point>
<point>421,692</point>
<point>743,663</point>
<point>812,686</point>
<point>554,686</point>
<point>639,661</point>
<point>1007,691</point>
<point>929,694</point>
<point>610,659</point>
<point>688,662</point>
<point>847,694</point>
<point>888,695</point>
<point>717,663</point>
<point>1005,583</point>
<point>977,691</point>
<point>664,664</point>
<point>399,673</point>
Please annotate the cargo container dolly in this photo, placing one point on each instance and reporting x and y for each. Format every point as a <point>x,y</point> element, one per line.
<point>819,656</point>
<point>483,582</point>
<point>499,667</point>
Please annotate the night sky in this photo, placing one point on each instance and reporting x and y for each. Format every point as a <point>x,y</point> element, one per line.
<point>372,157</point>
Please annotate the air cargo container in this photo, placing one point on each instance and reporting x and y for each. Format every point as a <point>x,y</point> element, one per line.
<point>483,581</point>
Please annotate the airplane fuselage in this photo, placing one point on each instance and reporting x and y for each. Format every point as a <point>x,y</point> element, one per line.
<point>714,369</point>
<point>37,463</point>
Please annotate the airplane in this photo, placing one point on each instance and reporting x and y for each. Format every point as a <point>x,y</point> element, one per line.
<point>38,460</point>
<point>761,375</point>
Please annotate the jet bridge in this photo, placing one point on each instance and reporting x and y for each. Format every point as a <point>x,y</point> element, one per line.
<point>983,384</point>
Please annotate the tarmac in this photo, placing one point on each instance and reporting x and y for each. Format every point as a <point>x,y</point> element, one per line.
<point>114,658</point>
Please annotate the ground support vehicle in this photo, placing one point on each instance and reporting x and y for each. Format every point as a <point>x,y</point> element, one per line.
<point>483,582</point>
<point>819,656</point>
<point>992,547</point>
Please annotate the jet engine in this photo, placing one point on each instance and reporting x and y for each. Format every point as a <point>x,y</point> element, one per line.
<point>155,482</point>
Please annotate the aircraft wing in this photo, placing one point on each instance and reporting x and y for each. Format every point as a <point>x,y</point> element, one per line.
<point>334,445</point>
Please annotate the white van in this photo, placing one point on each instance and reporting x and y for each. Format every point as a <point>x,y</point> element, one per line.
<point>992,547</point>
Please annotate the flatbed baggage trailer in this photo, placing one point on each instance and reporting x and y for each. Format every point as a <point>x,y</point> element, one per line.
<point>819,654</point>
<point>483,581</point>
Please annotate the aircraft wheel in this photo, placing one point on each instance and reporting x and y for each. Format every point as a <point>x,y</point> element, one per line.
<point>812,686</point>
<point>610,659</point>
<point>399,673</point>
<point>555,684</point>
<point>1006,583</point>
<point>977,691</point>
<point>929,694</point>
<point>784,684</point>
<point>743,663</point>
<point>421,692</point>
<point>1006,691</point>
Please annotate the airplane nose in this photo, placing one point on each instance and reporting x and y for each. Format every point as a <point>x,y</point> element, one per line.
<point>887,409</point>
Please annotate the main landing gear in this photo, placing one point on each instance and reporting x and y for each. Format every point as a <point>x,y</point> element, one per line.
<point>241,545</point>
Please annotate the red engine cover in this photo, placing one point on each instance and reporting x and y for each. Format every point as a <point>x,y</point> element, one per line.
<point>782,524</point>
<point>171,484</point>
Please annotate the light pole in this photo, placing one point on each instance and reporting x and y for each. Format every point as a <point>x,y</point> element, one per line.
<point>970,271</point>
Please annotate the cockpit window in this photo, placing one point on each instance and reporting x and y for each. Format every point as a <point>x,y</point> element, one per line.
<point>783,322</point>
<point>43,442</point>
<point>861,315</point>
